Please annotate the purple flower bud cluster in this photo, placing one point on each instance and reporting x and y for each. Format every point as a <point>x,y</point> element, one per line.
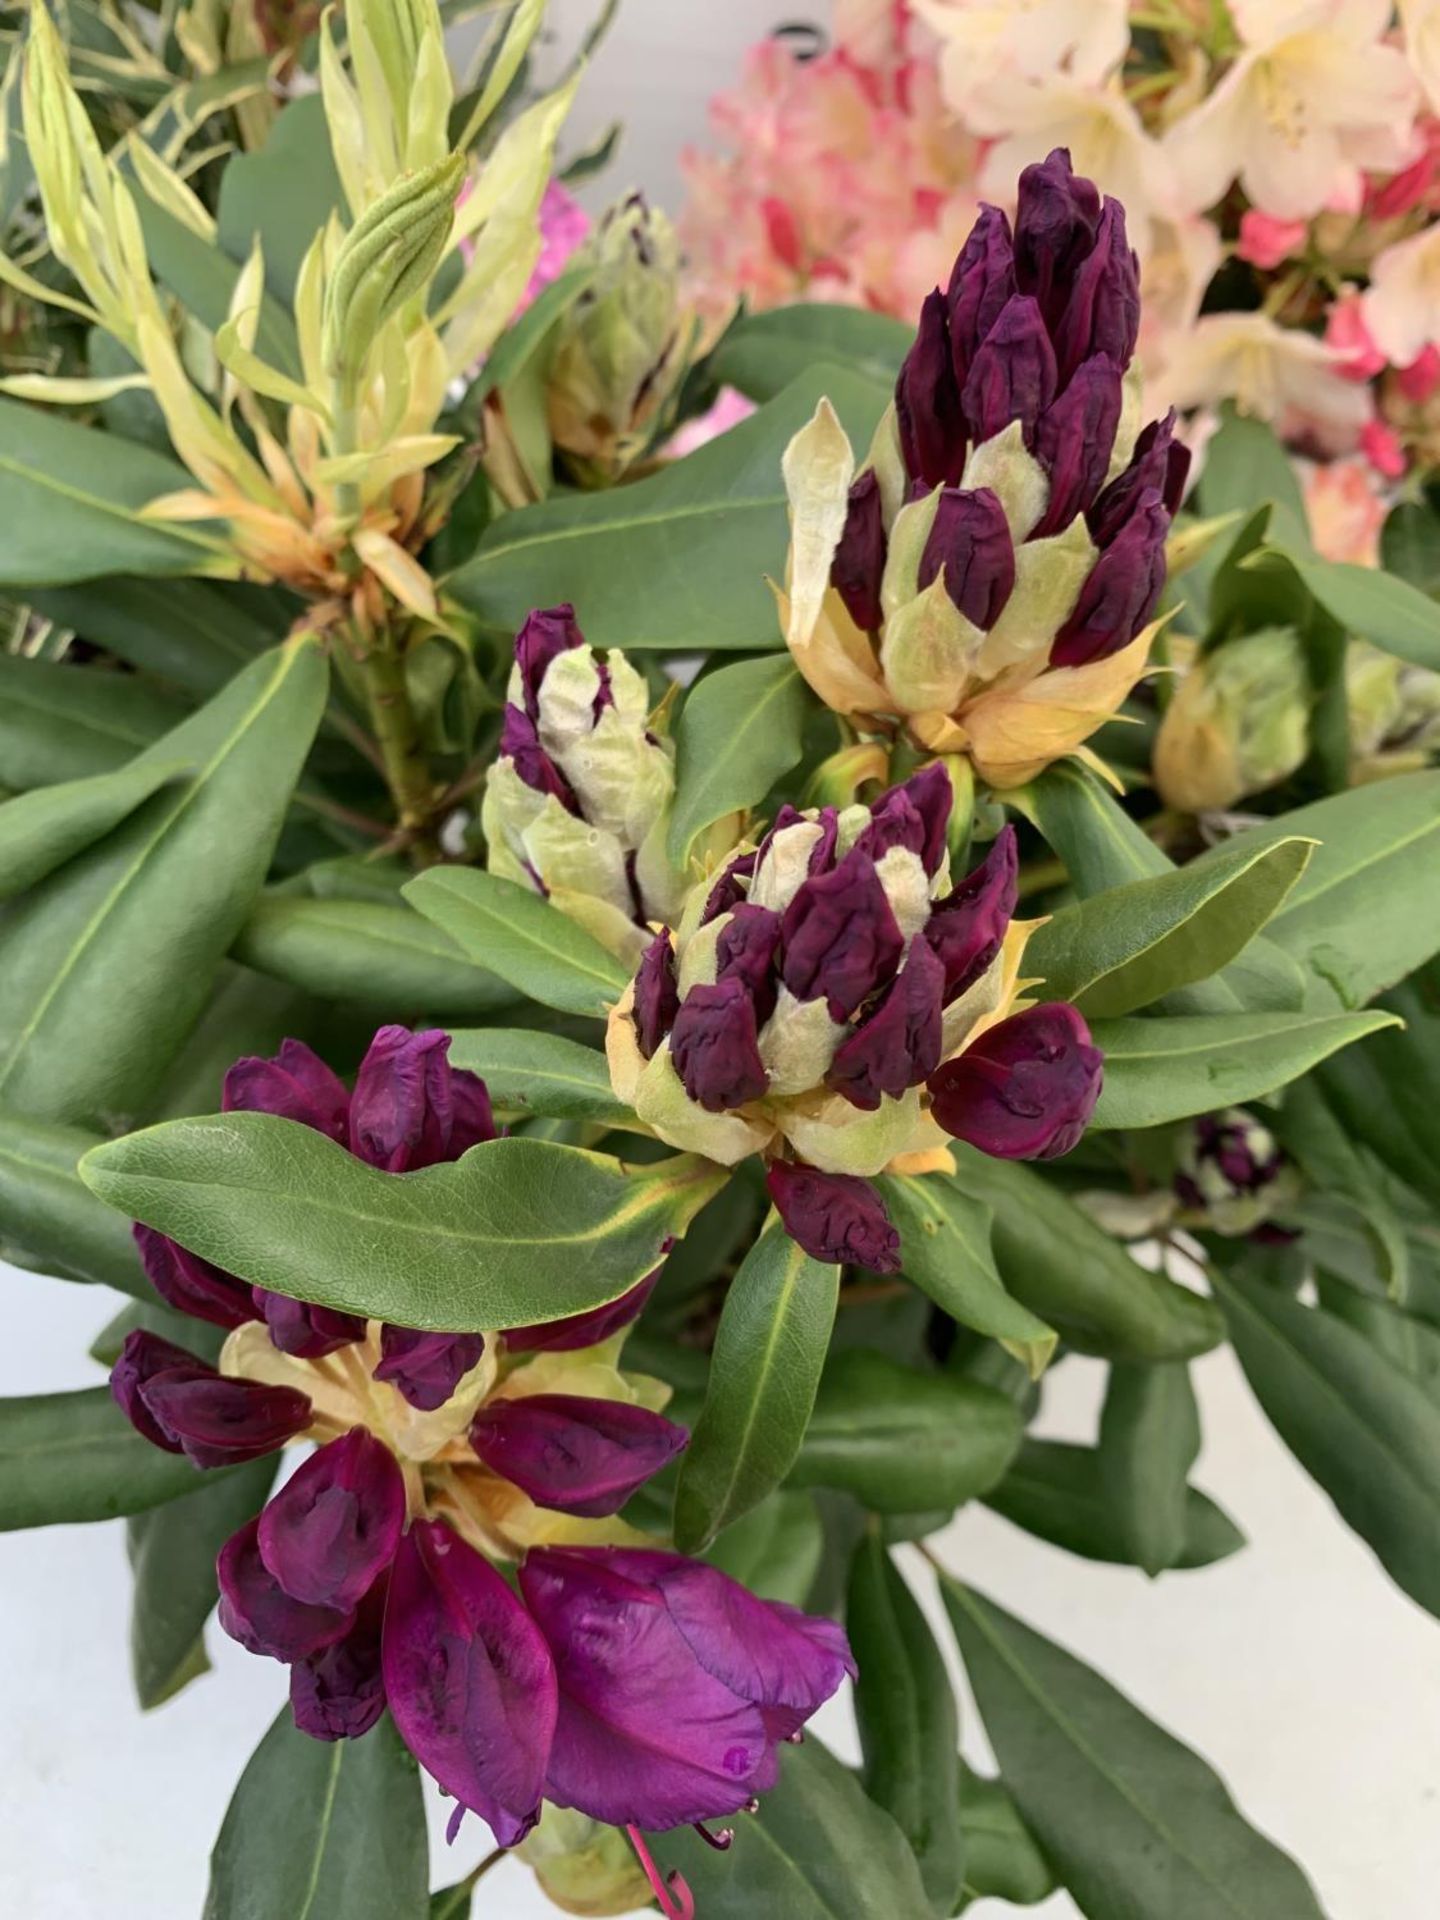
<point>1037,327</point>
<point>1233,1171</point>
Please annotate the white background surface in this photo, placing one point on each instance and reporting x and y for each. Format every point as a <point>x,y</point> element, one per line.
<point>1294,1667</point>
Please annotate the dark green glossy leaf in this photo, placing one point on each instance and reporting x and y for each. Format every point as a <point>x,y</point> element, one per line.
<point>1410,545</point>
<point>769,1350</point>
<point>1412,1345</point>
<point>763,352</point>
<point>1134,1823</point>
<point>39,831</point>
<point>521,938</point>
<point>1332,1163</point>
<point>1386,1091</point>
<point>1002,1860</point>
<point>203,279</point>
<point>1379,607</point>
<point>283,194</point>
<point>903,1441</point>
<point>514,1232</point>
<point>1149,1440</point>
<point>1061,1494</point>
<point>1360,1425</point>
<point>50,1221</point>
<point>739,730</point>
<point>196,634</point>
<point>67,1457</point>
<point>68,723</point>
<point>1245,462</point>
<point>819,1850</point>
<point>909,1727</point>
<point>529,1073</point>
<point>323,1830</point>
<point>1079,1280</point>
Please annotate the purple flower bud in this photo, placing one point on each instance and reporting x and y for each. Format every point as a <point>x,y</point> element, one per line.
<point>727,891</point>
<point>1024,1089</point>
<point>333,1527</point>
<point>141,1358</point>
<point>307,1332</point>
<point>1102,308</point>
<point>584,1329</point>
<point>426,1368</point>
<point>715,1047</point>
<point>547,633</point>
<point>915,815</point>
<point>1120,591</point>
<point>860,558</point>
<point>971,541</point>
<point>675,1683</point>
<point>746,952</point>
<point>411,1108</point>
<point>191,1285</point>
<point>520,743</point>
<point>572,1454</point>
<point>1074,440</point>
<point>840,937</point>
<point>339,1692</point>
<point>967,928</point>
<point>469,1679</point>
<point>927,402</point>
<point>220,1422</point>
<point>256,1610</point>
<point>898,1045</point>
<point>981,282</point>
<point>657,997</point>
<point>1056,219</point>
<point>834,1217</point>
<point>1160,463</point>
<point>296,1084</point>
<point>1012,376</point>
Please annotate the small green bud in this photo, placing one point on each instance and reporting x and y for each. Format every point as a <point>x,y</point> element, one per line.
<point>584,1867</point>
<point>1394,712</point>
<point>1237,724</point>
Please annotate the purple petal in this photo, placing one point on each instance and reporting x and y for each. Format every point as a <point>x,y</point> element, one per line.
<point>547,633</point>
<point>841,939</point>
<point>927,402</point>
<point>256,1610</point>
<point>584,1329</point>
<point>411,1108</point>
<point>746,952</point>
<point>572,1454</point>
<point>915,815</point>
<point>469,1679</point>
<point>1121,590</point>
<point>657,997</point>
<point>338,1693</point>
<point>898,1045</point>
<point>1012,376</point>
<point>859,561</point>
<point>1024,1089</point>
<point>191,1285</point>
<point>1160,463</point>
<point>967,928</point>
<point>305,1331</point>
<point>834,1217</point>
<point>1074,439</point>
<point>715,1046</point>
<point>727,891</point>
<point>220,1422</point>
<point>970,543</point>
<point>334,1526</point>
<point>141,1358</point>
<point>982,281</point>
<point>1056,221</point>
<point>296,1084</point>
<point>520,744</point>
<point>1102,308</point>
<point>426,1368</point>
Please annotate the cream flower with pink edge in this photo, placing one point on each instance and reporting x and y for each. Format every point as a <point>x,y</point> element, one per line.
<point>1346,506</point>
<point>1401,306</point>
<point>1033,38</point>
<point>1421,21</point>
<point>1272,373</point>
<point>1314,99</point>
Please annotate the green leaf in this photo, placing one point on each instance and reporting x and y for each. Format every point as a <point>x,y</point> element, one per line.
<point>40,831</point>
<point>172,1563</point>
<point>1061,1493</point>
<point>1133,1822</point>
<point>1410,545</point>
<point>740,729</point>
<point>775,1550</point>
<point>67,1457</point>
<point>1002,1861</point>
<point>521,938</point>
<point>1386,1091</point>
<point>203,280</point>
<point>529,1073</point>
<point>525,339</point>
<point>769,1350</point>
<point>677,561</point>
<point>903,1441</point>
<point>284,194</point>
<point>319,1829</point>
<point>1167,1069</point>
<point>1245,462</point>
<point>68,723</point>
<point>820,1850</point>
<point>1084,1284</point>
<point>197,634</point>
<point>105,966</point>
<point>1332,1163</point>
<point>1378,607</point>
<point>516,1231</point>
<point>1149,1440</point>
<point>763,352</point>
<point>945,1241</point>
<point>153,1316</point>
<point>909,1728</point>
<point>1125,947</point>
<point>1357,1423</point>
<point>50,1222</point>
<point>70,500</point>
<point>1410,1344</point>
<point>369,953</point>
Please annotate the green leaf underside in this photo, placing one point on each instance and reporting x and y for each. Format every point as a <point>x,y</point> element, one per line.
<point>515,1231</point>
<point>67,1457</point>
<point>40,831</point>
<point>49,1219</point>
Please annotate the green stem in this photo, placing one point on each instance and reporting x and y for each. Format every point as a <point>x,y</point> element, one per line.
<point>392,718</point>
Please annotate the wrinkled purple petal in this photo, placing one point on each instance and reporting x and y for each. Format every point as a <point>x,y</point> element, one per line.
<point>657,997</point>
<point>927,402</point>
<point>1056,221</point>
<point>141,1358</point>
<point>1074,439</point>
<point>256,1610</point>
<point>338,1693</point>
<point>520,744</point>
<point>584,1329</point>
<point>714,1044</point>
<point>335,1524</point>
<point>841,939</point>
<point>1024,1089</point>
<point>469,1679</point>
<point>572,1454</point>
<point>834,1217</point>
<point>305,1331</point>
<point>220,1422</point>
<point>727,890</point>
<point>400,1115</point>
<point>967,928</point>
<point>970,544</point>
<point>1102,307</point>
<point>746,952</point>
<point>859,562</point>
<point>914,815</point>
<point>547,633</point>
<point>191,1285</point>
<point>1121,590</point>
<point>426,1368</point>
<point>982,281</point>
<point>898,1045</point>
<point>1012,376</point>
<point>1160,463</point>
<point>296,1084</point>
